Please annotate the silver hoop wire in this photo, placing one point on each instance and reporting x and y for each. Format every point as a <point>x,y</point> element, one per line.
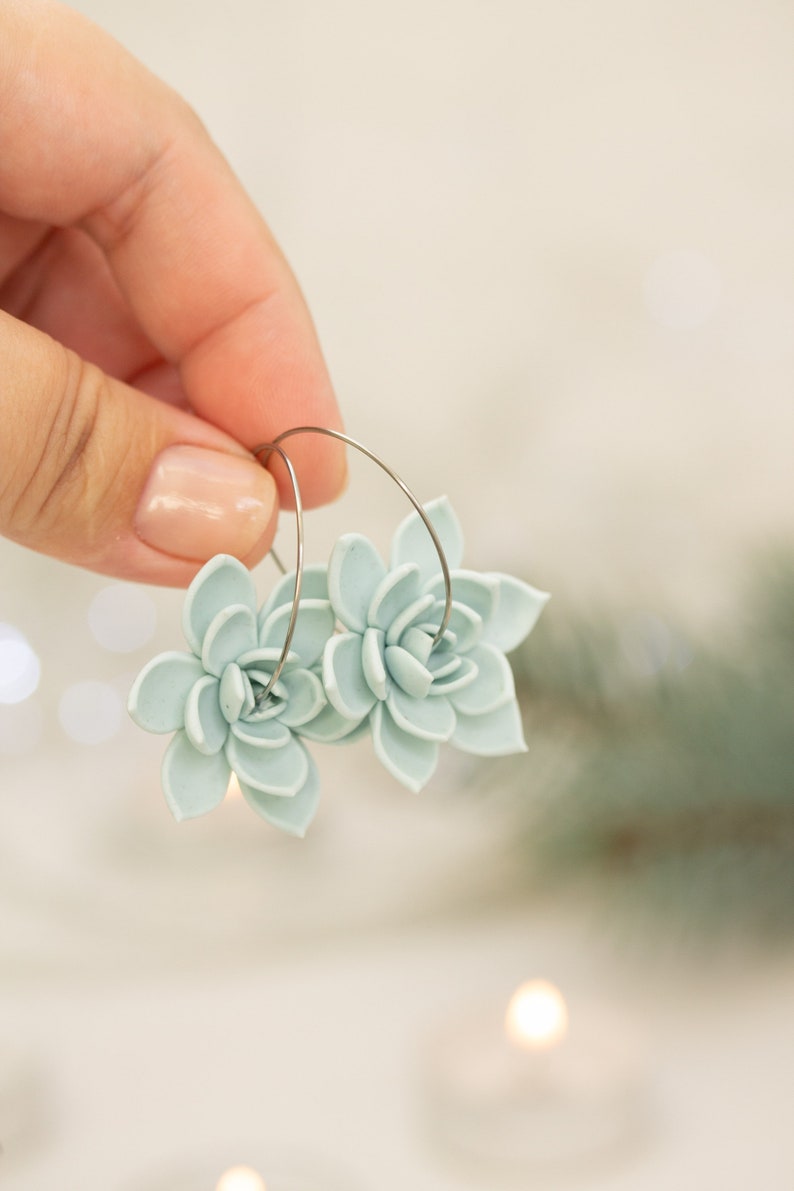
<point>270,447</point>
<point>350,442</point>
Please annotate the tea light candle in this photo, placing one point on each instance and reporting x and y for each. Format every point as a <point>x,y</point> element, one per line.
<point>241,1178</point>
<point>281,1173</point>
<point>532,1089</point>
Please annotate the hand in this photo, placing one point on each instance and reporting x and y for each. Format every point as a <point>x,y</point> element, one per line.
<point>150,329</point>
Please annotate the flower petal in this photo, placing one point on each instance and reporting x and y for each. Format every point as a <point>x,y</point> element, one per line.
<point>305,697</point>
<point>429,719</point>
<point>331,727</point>
<point>280,771</point>
<point>478,592</point>
<point>493,686</point>
<point>193,783</point>
<point>418,644</point>
<point>412,542</point>
<point>354,571</point>
<point>407,617</point>
<point>517,610</point>
<point>463,674</point>
<point>223,581</point>
<point>373,662</point>
<point>414,678</point>
<point>396,591</point>
<point>232,633</point>
<point>410,760</point>
<point>313,587</point>
<point>205,723</point>
<point>343,677</point>
<point>491,735</point>
<point>442,663</point>
<point>315,624</point>
<point>267,733</point>
<point>465,626</point>
<point>270,707</point>
<point>294,814</point>
<point>235,692</point>
<point>158,696</point>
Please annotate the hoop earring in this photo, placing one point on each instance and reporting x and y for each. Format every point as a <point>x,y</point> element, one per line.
<point>411,653</point>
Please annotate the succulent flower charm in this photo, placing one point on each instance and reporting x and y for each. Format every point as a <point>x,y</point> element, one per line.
<point>209,698</point>
<point>383,672</point>
<point>385,668</point>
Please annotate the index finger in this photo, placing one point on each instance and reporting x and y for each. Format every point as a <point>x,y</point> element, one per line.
<point>89,137</point>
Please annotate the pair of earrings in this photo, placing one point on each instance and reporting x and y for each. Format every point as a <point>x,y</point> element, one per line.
<point>410,652</point>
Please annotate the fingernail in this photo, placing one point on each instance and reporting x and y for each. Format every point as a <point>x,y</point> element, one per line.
<point>198,503</point>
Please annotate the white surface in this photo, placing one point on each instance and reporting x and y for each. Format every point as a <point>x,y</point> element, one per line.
<point>321,1053</point>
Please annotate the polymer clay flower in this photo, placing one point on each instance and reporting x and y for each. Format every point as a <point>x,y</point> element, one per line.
<point>209,698</point>
<point>385,668</point>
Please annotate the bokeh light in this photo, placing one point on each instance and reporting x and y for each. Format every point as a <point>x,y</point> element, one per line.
<point>20,669</point>
<point>241,1178</point>
<point>122,618</point>
<point>90,712</point>
<point>537,1016</point>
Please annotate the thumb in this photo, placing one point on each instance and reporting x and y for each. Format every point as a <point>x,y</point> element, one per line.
<point>98,474</point>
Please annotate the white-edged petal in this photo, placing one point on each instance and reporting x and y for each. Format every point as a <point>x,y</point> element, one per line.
<point>272,706</point>
<point>429,719</point>
<point>398,590</point>
<point>158,696</point>
<point>442,663</point>
<point>294,814</point>
<point>355,569</point>
<point>373,662</point>
<point>314,586</point>
<point>231,633</point>
<point>465,627</point>
<point>462,676</point>
<point>343,677</point>
<point>412,542</point>
<point>193,783</point>
<point>494,734</point>
<point>418,644</point>
<point>408,616</point>
<point>414,678</point>
<point>515,615</point>
<point>235,693</point>
<point>315,624</point>
<point>269,733</point>
<point>304,699</point>
<point>280,771</point>
<point>493,686</point>
<point>205,723</point>
<point>478,592</point>
<point>331,727</point>
<point>410,760</point>
<point>222,582</point>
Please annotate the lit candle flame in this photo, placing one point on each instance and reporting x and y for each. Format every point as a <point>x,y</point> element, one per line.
<point>537,1016</point>
<point>240,1178</point>
<point>233,791</point>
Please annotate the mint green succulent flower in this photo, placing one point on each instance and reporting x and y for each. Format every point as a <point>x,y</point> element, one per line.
<point>385,672</point>
<point>209,698</point>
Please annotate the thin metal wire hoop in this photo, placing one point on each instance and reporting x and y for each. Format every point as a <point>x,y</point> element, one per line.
<point>392,474</point>
<point>296,598</point>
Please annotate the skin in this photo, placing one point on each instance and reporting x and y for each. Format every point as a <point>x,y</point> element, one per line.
<point>143,303</point>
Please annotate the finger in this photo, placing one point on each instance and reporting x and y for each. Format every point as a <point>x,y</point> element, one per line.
<point>98,474</point>
<point>128,161</point>
<point>66,289</point>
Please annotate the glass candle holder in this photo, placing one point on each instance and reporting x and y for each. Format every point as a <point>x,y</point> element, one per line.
<point>536,1090</point>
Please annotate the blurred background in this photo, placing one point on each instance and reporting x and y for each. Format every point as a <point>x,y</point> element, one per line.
<point>549,249</point>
